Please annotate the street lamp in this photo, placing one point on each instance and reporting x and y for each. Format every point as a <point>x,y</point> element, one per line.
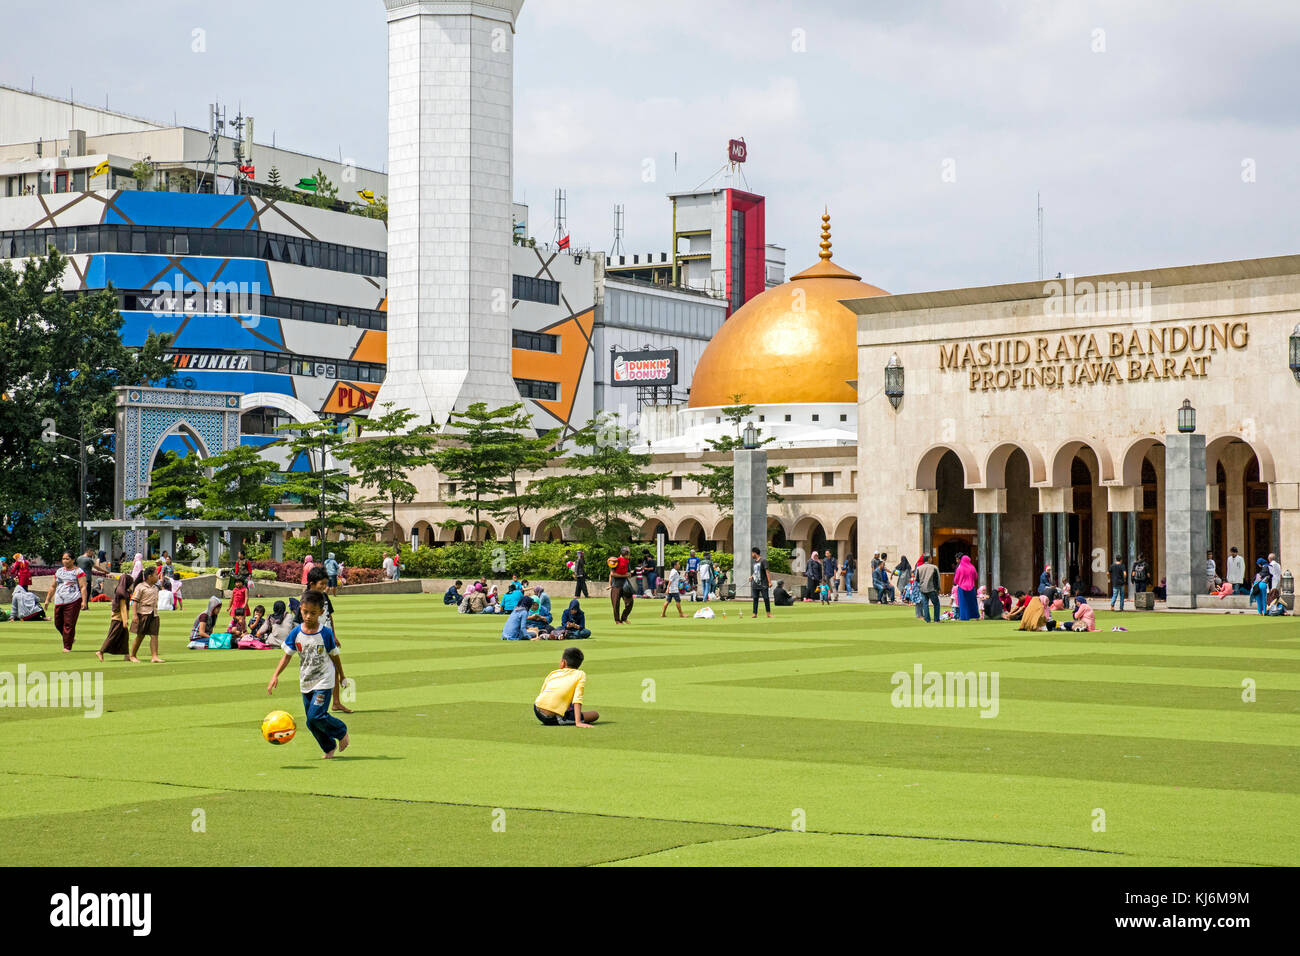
<point>1295,352</point>
<point>750,437</point>
<point>894,380</point>
<point>1186,417</point>
<point>81,460</point>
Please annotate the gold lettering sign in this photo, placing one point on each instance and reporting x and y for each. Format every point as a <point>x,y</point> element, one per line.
<point>1150,353</point>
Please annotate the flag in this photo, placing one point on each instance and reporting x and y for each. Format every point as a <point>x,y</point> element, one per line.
<point>307,184</point>
<point>367,195</point>
<point>564,243</point>
<point>100,170</point>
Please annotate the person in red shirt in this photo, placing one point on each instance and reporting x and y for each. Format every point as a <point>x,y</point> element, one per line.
<point>22,571</point>
<point>238,600</point>
<point>620,588</point>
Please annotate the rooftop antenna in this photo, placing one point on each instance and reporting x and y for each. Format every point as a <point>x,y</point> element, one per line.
<point>561,215</point>
<point>1041,274</point>
<point>617,248</point>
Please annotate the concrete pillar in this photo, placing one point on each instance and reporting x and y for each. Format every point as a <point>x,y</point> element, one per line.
<point>750,517</point>
<point>927,534</point>
<point>1062,549</point>
<point>214,547</point>
<point>167,541</point>
<point>1132,548</point>
<point>1184,518</point>
<point>277,545</point>
<point>106,543</point>
<point>995,550</point>
<point>1049,552</point>
<point>981,546</point>
<point>990,505</point>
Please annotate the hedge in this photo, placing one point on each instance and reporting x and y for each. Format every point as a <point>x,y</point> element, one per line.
<point>545,561</point>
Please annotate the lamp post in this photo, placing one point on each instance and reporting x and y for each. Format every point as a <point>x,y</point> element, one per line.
<point>82,461</point>
<point>894,380</point>
<point>1186,417</point>
<point>749,438</point>
<point>528,538</point>
<point>1294,352</point>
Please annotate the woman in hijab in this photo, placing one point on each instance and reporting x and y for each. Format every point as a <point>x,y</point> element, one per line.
<point>1005,598</point>
<point>118,640</point>
<point>277,627</point>
<point>904,571</point>
<point>137,569</point>
<point>1034,617</point>
<point>307,563</point>
<point>493,601</point>
<point>573,622</point>
<point>964,581</point>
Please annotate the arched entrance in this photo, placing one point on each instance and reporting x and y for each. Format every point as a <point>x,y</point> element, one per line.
<point>953,528</point>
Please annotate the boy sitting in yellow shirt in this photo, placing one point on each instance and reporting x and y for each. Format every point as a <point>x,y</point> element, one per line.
<point>560,702</point>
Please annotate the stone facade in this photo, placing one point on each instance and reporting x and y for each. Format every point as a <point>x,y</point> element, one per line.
<point>1057,399</point>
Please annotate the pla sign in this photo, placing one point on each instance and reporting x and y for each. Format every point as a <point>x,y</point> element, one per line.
<point>644,367</point>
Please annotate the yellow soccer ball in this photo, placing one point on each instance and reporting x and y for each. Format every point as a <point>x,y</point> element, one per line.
<point>278,727</point>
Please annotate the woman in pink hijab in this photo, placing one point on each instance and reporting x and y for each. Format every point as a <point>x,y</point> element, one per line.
<point>965,580</point>
<point>306,568</point>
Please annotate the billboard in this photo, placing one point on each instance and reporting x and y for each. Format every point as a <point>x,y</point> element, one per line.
<point>643,367</point>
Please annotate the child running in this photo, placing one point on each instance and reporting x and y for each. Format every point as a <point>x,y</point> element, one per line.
<point>560,702</point>
<point>319,662</point>
<point>674,590</point>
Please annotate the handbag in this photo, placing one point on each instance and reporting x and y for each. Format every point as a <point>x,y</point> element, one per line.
<point>220,641</point>
<point>627,587</point>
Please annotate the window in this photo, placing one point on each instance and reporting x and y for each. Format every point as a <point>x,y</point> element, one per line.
<point>536,341</point>
<point>828,479</point>
<point>530,388</point>
<point>788,480</point>
<point>844,418</point>
<point>762,418</point>
<point>787,418</point>
<point>816,418</point>
<point>677,483</point>
<point>536,290</point>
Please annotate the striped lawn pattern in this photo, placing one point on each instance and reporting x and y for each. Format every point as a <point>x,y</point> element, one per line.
<point>717,740</point>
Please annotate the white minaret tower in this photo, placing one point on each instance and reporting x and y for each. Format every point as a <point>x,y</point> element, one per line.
<point>450,154</point>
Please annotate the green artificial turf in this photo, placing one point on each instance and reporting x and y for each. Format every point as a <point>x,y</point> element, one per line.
<point>729,741</point>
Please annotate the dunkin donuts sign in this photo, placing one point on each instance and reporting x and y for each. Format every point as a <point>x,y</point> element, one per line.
<point>644,367</point>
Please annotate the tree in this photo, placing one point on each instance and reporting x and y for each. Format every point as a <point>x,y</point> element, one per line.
<point>274,188</point>
<point>326,193</point>
<point>372,210</point>
<point>61,357</point>
<point>325,491</point>
<point>240,488</point>
<point>606,485</point>
<point>382,463</point>
<point>176,489</point>
<point>484,453</point>
<point>718,480</point>
<point>142,173</point>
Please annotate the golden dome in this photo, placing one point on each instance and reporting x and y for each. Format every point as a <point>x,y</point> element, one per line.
<point>794,343</point>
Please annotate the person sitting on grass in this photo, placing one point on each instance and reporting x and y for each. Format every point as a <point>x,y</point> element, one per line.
<point>516,626</point>
<point>573,622</point>
<point>25,606</point>
<point>541,614</point>
<point>1034,615</point>
<point>276,627</point>
<point>992,608</point>
<point>453,594</point>
<point>511,600</point>
<point>493,605</point>
<point>477,599</point>
<point>320,668</point>
<point>205,623</point>
<point>1084,619</point>
<point>255,620</point>
<point>673,591</point>
<point>560,702</point>
<point>781,597</point>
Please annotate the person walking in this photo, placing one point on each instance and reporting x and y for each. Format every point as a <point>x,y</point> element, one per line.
<point>759,581</point>
<point>850,573</point>
<point>903,573</point>
<point>620,585</point>
<point>332,569</point>
<point>71,595</point>
<point>706,576</point>
<point>118,640</point>
<point>965,580</point>
<point>1236,571</point>
<point>1141,574</point>
<point>926,576</point>
<point>829,577</point>
<point>580,575</point>
<point>1118,578</point>
<point>814,575</point>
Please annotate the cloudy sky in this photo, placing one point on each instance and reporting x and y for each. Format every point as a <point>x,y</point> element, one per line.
<point>1159,133</point>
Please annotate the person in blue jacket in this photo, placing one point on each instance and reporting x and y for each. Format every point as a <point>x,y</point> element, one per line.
<point>512,597</point>
<point>573,622</point>
<point>516,626</point>
<point>453,595</point>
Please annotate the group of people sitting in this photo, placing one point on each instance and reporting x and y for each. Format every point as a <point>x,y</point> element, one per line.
<point>257,630</point>
<point>531,621</point>
<point>1034,611</point>
<point>480,598</point>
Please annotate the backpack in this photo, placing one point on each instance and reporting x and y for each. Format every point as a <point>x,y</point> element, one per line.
<point>220,641</point>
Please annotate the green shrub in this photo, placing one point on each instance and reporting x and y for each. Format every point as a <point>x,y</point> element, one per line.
<point>261,575</point>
